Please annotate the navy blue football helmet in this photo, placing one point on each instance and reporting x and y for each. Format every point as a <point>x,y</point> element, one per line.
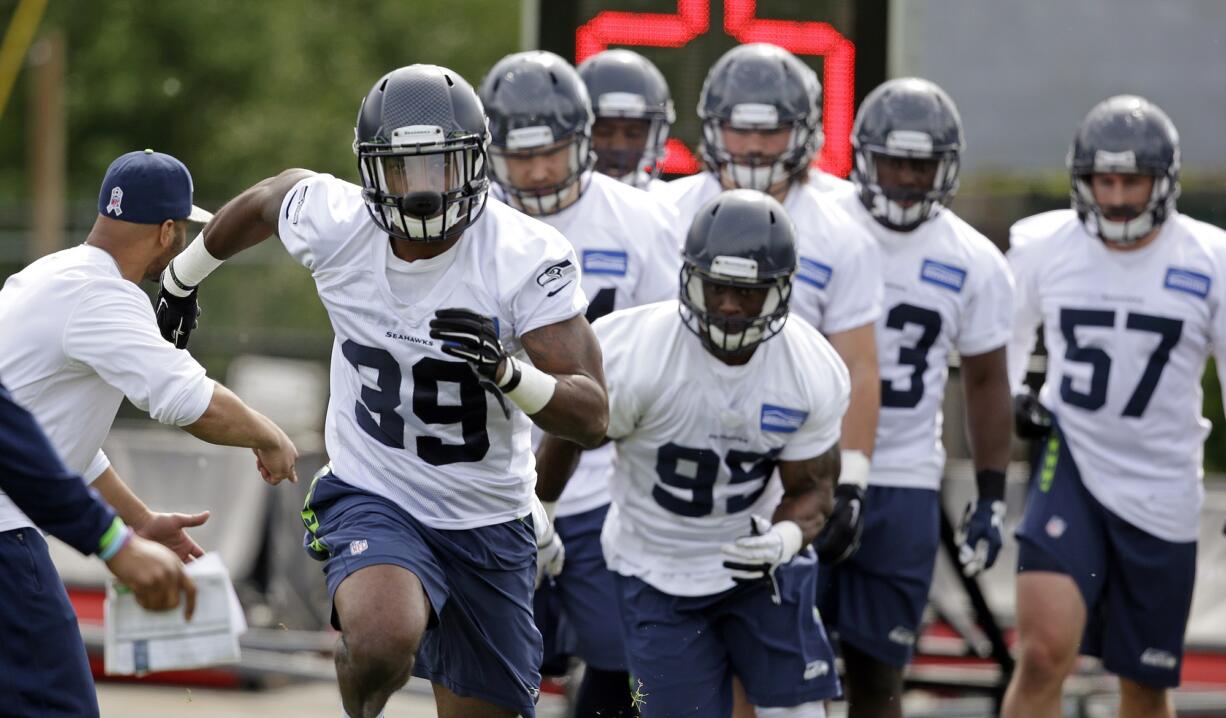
<point>908,118</point>
<point>1129,135</point>
<point>625,85</point>
<point>741,238</point>
<point>421,143</point>
<point>536,104</point>
<point>760,87</point>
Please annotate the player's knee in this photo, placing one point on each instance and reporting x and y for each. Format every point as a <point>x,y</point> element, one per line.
<point>382,654</point>
<point>1046,657</point>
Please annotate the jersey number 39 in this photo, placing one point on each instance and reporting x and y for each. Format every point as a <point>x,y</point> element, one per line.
<point>376,409</point>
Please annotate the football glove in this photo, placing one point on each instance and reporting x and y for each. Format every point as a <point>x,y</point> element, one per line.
<point>769,546</point>
<point>550,553</point>
<point>176,316</point>
<point>981,535</point>
<point>840,537</point>
<point>1031,420</point>
<point>469,336</point>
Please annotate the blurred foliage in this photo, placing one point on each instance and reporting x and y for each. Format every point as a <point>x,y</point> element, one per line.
<point>239,90</point>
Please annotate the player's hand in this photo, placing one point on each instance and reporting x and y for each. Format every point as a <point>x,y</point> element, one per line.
<point>170,531</point>
<point>176,316</point>
<point>550,553</point>
<point>840,537</point>
<point>981,535</point>
<point>472,337</point>
<point>277,462</point>
<point>1031,420</point>
<point>755,557</point>
<point>155,576</point>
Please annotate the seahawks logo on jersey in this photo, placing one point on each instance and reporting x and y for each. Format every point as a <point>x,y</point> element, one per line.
<point>555,272</point>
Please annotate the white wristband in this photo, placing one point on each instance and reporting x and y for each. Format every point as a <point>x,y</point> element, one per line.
<point>529,387</point>
<point>542,520</point>
<point>793,538</point>
<point>855,468</point>
<point>189,269</point>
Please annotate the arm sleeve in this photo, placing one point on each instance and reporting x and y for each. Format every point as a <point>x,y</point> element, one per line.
<point>32,475</point>
<point>856,290</point>
<point>829,394</point>
<point>1027,316</point>
<point>551,292</point>
<point>113,331</point>
<point>988,319</point>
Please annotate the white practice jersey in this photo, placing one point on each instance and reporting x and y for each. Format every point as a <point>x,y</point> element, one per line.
<point>77,339</point>
<point>630,256</point>
<point>656,185</point>
<point>947,288</point>
<point>837,285</point>
<point>827,183</point>
<point>697,440</point>
<point>1127,337</point>
<point>406,421</point>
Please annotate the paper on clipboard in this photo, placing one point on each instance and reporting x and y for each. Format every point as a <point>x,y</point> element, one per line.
<point>140,641</point>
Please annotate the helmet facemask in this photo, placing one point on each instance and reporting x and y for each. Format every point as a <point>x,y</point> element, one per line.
<point>423,186</point>
<point>733,336</point>
<point>903,209</point>
<point>636,168</point>
<point>758,171</point>
<point>1125,232</point>
<point>527,143</point>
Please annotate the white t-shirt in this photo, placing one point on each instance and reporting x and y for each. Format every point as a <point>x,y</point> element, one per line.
<point>947,287</point>
<point>698,440</point>
<point>837,286</point>
<point>630,256</point>
<point>406,421</point>
<point>77,339</point>
<point>1127,336</point>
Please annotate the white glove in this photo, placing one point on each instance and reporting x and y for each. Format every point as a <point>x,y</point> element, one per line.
<point>754,557</point>
<point>550,554</point>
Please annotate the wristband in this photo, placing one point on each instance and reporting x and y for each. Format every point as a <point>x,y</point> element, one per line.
<point>113,541</point>
<point>529,387</point>
<point>991,484</point>
<point>542,521</point>
<point>186,271</point>
<point>856,465</point>
<point>793,538</point>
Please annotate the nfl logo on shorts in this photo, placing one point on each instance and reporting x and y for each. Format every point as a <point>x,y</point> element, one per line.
<point>357,547</point>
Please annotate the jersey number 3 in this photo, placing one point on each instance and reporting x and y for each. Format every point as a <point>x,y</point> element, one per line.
<point>376,409</point>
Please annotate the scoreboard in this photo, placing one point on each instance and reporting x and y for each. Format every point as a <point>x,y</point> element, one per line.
<point>844,41</point>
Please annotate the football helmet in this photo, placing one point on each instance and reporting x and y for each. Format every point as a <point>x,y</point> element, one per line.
<point>536,104</point>
<point>741,238</point>
<point>760,87</point>
<point>1129,135</point>
<point>624,84</point>
<point>420,140</point>
<point>910,118</point>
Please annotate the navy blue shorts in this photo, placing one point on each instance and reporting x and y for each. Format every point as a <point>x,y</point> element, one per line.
<point>683,651</point>
<point>43,667</point>
<point>481,641</point>
<point>1137,587</point>
<point>576,608</point>
<point>875,600</point>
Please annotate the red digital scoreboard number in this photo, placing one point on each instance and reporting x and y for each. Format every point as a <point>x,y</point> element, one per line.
<point>693,18</point>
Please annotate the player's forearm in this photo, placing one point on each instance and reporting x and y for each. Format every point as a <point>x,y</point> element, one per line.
<point>556,461</point>
<point>808,491</point>
<point>128,505</point>
<point>859,431</point>
<point>805,510</point>
<point>577,412</point>
<point>989,412</point>
<point>230,422</point>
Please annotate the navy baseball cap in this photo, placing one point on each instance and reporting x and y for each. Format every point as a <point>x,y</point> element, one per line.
<point>147,187</point>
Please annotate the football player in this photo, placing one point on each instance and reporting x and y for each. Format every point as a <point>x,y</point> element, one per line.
<point>1130,295</point>
<point>541,134</point>
<point>459,323</point>
<point>761,128</point>
<point>634,113</point>
<point>709,396</point>
<point>947,289</point>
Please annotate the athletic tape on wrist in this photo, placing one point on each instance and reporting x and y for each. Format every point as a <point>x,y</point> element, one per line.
<point>856,466</point>
<point>189,269</point>
<point>529,387</point>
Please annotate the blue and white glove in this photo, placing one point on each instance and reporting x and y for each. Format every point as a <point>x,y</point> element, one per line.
<point>769,546</point>
<point>981,533</point>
